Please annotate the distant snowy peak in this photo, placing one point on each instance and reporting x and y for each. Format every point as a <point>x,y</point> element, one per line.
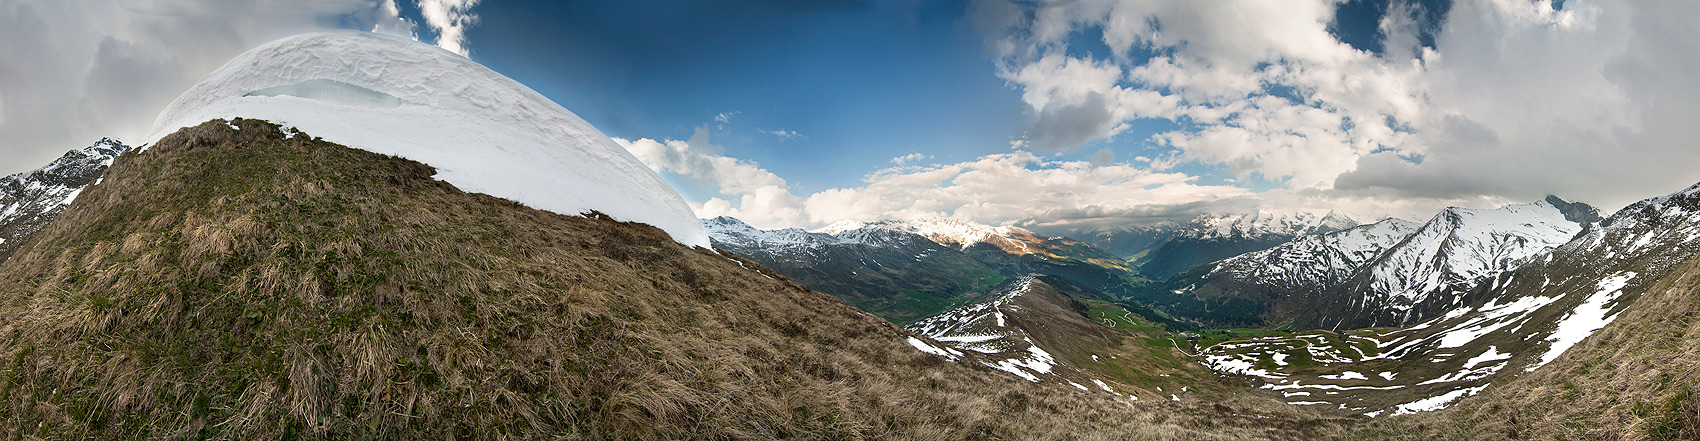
<point>1265,224</point>
<point>483,132</point>
<point>29,200</point>
<point>733,232</point>
<point>957,233</point>
<point>1333,221</point>
<point>840,227</point>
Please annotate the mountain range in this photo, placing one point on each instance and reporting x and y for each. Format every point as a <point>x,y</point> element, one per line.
<point>238,280</point>
<point>1389,318</point>
<point>905,270</point>
<point>1166,248</point>
<point>1390,273</point>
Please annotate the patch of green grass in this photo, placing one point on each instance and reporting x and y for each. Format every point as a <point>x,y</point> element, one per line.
<point>980,280</point>
<point>1117,317</point>
<point>1677,418</point>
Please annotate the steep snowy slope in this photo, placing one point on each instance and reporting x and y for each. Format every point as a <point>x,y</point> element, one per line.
<point>482,131</point>
<point>1274,285</point>
<point>1318,260</point>
<point>1636,279</point>
<point>1209,238</point>
<point>1429,272</point>
<point>29,200</point>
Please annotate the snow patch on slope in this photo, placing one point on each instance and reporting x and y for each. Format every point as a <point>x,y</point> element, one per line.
<point>1588,317</point>
<point>1436,402</point>
<point>981,328</point>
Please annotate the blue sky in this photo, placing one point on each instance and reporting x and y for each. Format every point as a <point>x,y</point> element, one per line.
<point>847,86</point>
<point>1067,115</point>
<point>857,83</point>
<point>860,83</point>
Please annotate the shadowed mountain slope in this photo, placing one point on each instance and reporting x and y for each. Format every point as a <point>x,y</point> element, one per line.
<point>906,270</point>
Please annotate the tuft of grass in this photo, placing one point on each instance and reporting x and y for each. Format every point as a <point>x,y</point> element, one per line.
<point>1677,418</point>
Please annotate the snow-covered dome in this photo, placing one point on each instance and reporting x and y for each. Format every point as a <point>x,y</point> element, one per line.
<point>483,132</point>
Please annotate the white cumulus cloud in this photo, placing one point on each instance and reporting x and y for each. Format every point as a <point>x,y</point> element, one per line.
<point>1516,99</point>
<point>1007,188</point>
<point>449,18</point>
<point>761,198</point>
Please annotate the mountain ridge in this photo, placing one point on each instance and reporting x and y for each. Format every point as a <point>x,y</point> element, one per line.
<point>1208,238</point>
<point>32,199</point>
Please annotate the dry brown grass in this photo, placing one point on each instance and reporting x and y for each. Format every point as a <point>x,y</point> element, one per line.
<point>1636,379</point>
<point>231,284</point>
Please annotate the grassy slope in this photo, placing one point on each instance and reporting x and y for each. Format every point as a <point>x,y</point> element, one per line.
<point>1128,348</point>
<point>1634,379</point>
<point>241,284</point>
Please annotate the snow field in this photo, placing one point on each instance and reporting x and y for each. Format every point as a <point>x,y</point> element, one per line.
<point>482,131</point>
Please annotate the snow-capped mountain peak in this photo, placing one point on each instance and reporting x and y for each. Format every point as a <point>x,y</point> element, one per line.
<point>1455,250</point>
<point>1265,223</point>
<point>29,200</point>
<point>839,227</point>
<point>957,233</point>
<point>731,231</point>
<point>1331,222</point>
<point>948,231</point>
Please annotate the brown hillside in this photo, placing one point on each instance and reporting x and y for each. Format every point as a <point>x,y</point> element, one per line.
<point>1635,379</point>
<point>249,284</point>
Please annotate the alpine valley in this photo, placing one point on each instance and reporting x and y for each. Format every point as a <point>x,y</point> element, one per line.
<point>1377,321</point>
